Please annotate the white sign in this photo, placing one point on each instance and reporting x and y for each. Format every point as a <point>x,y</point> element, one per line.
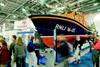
<point>24,24</point>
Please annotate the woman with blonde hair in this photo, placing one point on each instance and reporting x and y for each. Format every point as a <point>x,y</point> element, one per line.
<point>20,53</point>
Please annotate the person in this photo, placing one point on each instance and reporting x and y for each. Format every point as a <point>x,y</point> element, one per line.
<point>4,54</point>
<point>31,49</point>
<point>12,50</point>
<point>63,51</point>
<point>37,47</point>
<point>64,48</point>
<point>78,46</point>
<point>77,54</point>
<point>20,53</point>
<point>50,57</point>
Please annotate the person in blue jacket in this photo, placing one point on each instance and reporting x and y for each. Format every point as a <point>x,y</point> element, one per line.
<point>33,46</point>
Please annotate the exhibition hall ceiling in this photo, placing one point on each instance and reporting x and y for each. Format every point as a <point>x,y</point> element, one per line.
<point>11,10</point>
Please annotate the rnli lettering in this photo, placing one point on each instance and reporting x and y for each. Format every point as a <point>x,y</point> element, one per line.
<point>61,27</point>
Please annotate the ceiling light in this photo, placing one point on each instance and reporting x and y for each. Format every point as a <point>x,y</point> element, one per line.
<point>98,10</point>
<point>32,0</point>
<point>97,18</point>
<point>14,16</point>
<point>23,10</point>
<point>95,4</point>
<point>2,4</point>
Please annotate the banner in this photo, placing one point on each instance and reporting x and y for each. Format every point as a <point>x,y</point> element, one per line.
<point>24,24</point>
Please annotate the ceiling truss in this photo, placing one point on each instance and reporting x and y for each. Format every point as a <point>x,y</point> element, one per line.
<point>19,9</point>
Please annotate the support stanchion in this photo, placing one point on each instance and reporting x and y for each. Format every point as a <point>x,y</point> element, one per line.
<point>55,41</point>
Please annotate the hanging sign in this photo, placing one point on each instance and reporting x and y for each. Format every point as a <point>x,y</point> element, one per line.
<point>24,24</point>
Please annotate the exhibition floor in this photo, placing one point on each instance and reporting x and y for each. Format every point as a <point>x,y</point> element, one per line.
<point>85,61</point>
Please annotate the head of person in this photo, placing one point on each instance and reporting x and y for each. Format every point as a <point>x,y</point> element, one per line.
<point>61,37</point>
<point>1,37</point>
<point>3,43</point>
<point>14,37</point>
<point>37,41</point>
<point>32,38</point>
<point>78,38</point>
<point>19,41</point>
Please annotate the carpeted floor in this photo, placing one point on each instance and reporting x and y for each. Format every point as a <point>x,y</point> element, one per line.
<point>86,61</point>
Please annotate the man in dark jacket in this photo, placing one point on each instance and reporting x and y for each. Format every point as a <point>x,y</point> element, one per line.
<point>64,47</point>
<point>12,50</point>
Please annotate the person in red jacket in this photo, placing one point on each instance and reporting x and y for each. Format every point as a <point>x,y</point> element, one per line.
<point>4,53</point>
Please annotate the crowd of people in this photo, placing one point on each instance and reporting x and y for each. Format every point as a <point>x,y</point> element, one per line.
<point>16,52</point>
